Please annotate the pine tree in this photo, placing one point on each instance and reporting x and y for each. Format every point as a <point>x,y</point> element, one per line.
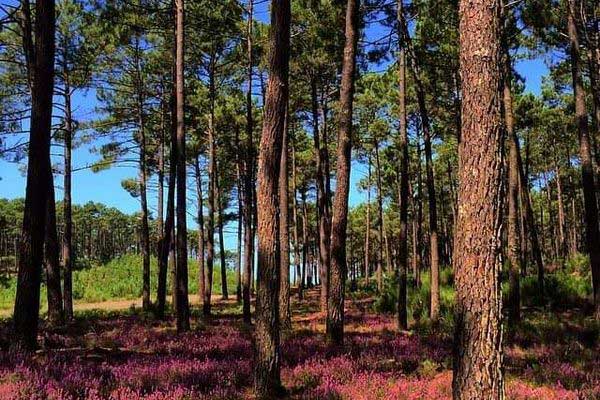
<point>592,233</point>
<point>267,382</point>
<point>337,283</point>
<point>402,318</point>
<point>478,338</point>
<point>182,306</point>
<point>40,60</point>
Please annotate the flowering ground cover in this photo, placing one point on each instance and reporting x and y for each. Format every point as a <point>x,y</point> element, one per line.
<point>128,355</point>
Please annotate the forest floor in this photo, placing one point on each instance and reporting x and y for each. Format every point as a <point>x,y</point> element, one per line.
<point>126,354</point>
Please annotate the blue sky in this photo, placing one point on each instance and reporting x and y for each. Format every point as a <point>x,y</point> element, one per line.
<point>105,186</point>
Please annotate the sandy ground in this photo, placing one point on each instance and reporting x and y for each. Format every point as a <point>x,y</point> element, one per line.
<point>114,305</point>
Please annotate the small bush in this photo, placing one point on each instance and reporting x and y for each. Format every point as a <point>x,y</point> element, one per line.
<point>418,297</point>
<point>428,369</point>
<point>366,286</point>
<point>386,301</point>
<point>561,290</point>
<point>578,264</point>
<point>85,263</point>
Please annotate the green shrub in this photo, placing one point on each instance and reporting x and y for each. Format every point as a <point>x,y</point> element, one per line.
<point>7,293</point>
<point>447,276</point>
<point>366,286</point>
<point>85,263</point>
<point>120,278</point>
<point>561,290</point>
<point>418,298</point>
<point>386,301</point>
<point>578,264</point>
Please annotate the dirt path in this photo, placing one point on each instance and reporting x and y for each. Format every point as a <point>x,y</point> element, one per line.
<point>119,304</point>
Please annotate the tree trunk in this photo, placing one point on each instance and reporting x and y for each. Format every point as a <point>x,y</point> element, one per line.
<point>452,194</point>
<point>419,207</point>
<point>543,244</point>
<point>592,233</point>
<point>478,338</point>
<point>594,68</point>
<point>562,238</point>
<point>212,205</point>
<point>299,269</point>
<point>248,182</point>
<point>554,245</point>
<point>165,245</point>
<point>53,287</point>
<point>201,267</point>
<point>67,239</point>
<point>31,246</point>
<point>368,230</point>
<point>267,381</point>
<point>402,315</point>
<point>322,209</point>
<point>381,222</point>
<point>240,217</point>
<point>514,234</point>
<point>145,233</point>
<point>524,229</point>
<point>285,315</point>
<point>160,172</point>
<point>224,291</point>
<point>315,266</point>
<point>339,221</point>
<point>433,226</point>
<point>415,250</point>
<point>238,260</point>
<point>433,230</point>
<point>306,267</point>
<point>528,216</point>
<point>182,306</point>
<point>574,223</point>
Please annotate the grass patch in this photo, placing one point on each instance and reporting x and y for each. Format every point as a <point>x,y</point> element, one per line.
<point>564,289</point>
<point>120,278</point>
<point>418,297</point>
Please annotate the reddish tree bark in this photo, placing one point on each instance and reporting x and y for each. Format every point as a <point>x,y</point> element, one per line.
<point>324,221</point>
<point>339,222</point>
<point>368,230</point>
<point>297,248</point>
<point>285,314</point>
<point>429,177</point>
<point>592,233</point>
<point>267,381</point>
<point>478,339</point>
<point>514,233</point>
